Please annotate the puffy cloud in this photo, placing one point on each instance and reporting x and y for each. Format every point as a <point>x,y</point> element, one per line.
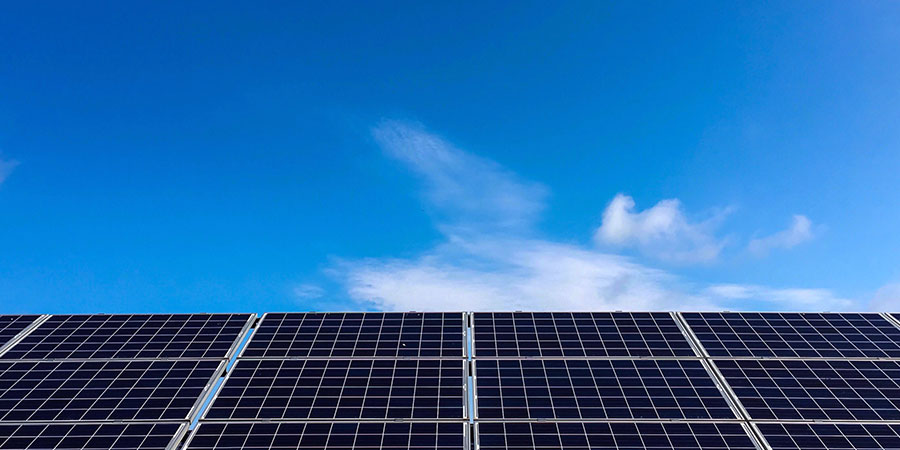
<point>490,258</point>
<point>662,231</point>
<point>800,231</point>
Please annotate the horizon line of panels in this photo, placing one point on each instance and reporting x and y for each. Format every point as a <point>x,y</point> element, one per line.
<point>132,336</point>
<point>513,335</point>
<point>387,335</point>
<point>112,381</point>
<point>795,335</point>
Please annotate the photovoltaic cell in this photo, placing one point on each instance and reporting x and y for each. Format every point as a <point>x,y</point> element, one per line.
<point>304,335</point>
<point>11,325</point>
<point>86,436</point>
<point>815,389</point>
<point>342,389</point>
<point>578,334</point>
<point>844,436</point>
<point>329,436</point>
<point>102,390</point>
<point>597,389</point>
<point>802,335</point>
<point>613,436</point>
<point>104,336</point>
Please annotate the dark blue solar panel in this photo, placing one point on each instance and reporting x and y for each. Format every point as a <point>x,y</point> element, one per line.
<point>815,389</point>
<point>329,436</point>
<point>104,336</point>
<point>804,335</point>
<point>102,390</point>
<point>89,436</point>
<point>578,334</point>
<point>366,335</point>
<point>342,389</point>
<point>843,436</point>
<point>597,389</point>
<point>613,436</point>
<point>11,325</point>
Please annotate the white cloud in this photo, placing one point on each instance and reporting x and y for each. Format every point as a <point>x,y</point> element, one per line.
<point>800,231</point>
<point>886,299</point>
<point>307,291</point>
<point>491,260</point>
<point>784,299</point>
<point>516,274</point>
<point>463,189</point>
<point>6,168</point>
<point>662,231</point>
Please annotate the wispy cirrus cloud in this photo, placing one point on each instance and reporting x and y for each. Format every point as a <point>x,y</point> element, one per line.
<point>307,291</point>
<point>801,230</point>
<point>6,168</point>
<point>491,258</point>
<point>462,189</point>
<point>886,298</point>
<point>802,299</point>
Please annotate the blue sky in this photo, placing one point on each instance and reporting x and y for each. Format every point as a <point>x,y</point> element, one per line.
<point>417,156</point>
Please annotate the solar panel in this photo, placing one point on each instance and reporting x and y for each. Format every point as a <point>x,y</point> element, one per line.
<point>103,390</point>
<point>341,389</point>
<point>91,436</point>
<point>105,336</point>
<point>522,334</point>
<point>11,325</point>
<point>329,436</point>
<point>842,436</point>
<point>613,436</point>
<point>815,389</point>
<point>310,335</point>
<point>803,335</point>
<point>597,389</point>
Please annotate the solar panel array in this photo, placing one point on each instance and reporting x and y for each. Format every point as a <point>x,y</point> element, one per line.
<point>809,380</point>
<point>596,380</point>
<point>613,436</point>
<point>598,389</point>
<point>801,335</point>
<point>112,381</point>
<point>405,381</point>
<point>525,334</point>
<point>12,325</point>
<point>344,381</point>
<point>124,336</point>
<point>363,335</point>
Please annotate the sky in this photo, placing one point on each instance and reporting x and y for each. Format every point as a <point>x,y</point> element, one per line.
<point>315,156</point>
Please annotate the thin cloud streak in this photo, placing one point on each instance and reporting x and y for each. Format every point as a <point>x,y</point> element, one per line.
<point>461,188</point>
<point>800,231</point>
<point>6,168</point>
<point>307,291</point>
